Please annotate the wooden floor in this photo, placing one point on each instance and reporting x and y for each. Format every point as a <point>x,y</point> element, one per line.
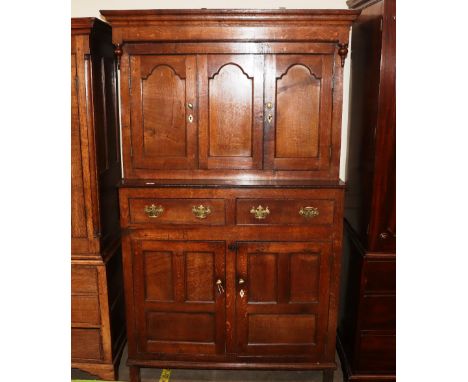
<point>153,375</point>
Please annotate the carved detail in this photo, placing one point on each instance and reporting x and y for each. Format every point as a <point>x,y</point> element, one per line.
<point>145,77</point>
<point>343,52</point>
<point>118,52</point>
<point>312,74</point>
<point>228,64</point>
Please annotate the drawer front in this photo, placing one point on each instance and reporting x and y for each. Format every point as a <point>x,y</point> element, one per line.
<point>86,344</point>
<point>177,211</point>
<point>284,211</point>
<point>379,275</point>
<point>84,279</point>
<point>378,313</point>
<point>377,353</point>
<point>85,310</point>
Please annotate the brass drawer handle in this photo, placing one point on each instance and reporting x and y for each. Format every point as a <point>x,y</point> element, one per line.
<point>260,212</point>
<point>201,212</point>
<point>309,212</point>
<point>154,211</point>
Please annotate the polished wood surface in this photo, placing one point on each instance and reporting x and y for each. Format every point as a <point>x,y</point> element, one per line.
<point>98,328</point>
<point>239,74</point>
<point>288,283</point>
<point>283,308</point>
<point>367,317</point>
<point>253,283</point>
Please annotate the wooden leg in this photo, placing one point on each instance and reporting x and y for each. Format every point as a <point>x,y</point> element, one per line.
<point>134,374</point>
<point>328,375</point>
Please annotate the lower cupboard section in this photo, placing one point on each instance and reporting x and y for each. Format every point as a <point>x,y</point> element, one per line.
<point>215,300</point>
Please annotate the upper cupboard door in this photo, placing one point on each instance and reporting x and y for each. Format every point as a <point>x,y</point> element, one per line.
<point>163,112</point>
<point>231,122</point>
<point>298,112</point>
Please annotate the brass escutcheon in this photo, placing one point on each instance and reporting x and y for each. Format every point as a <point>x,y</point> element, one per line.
<point>260,212</point>
<point>309,212</point>
<point>154,211</point>
<point>201,212</point>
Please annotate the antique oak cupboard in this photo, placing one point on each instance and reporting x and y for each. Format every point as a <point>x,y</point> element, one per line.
<point>231,206</point>
<point>98,327</point>
<point>367,316</point>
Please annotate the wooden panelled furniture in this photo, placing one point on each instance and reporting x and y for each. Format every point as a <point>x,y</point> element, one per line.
<point>231,205</point>
<point>98,325</point>
<point>367,315</point>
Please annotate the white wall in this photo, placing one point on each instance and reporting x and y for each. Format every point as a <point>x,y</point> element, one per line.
<point>87,8</point>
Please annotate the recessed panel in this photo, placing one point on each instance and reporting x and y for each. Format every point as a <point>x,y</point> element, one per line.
<point>199,271</point>
<point>163,101</point>
<point>297,114</point>
<point>230,113</point>
<point>304,277</point>
<point>262,276</point>
<point>186,327</point>
<point>281,329</point>
<point>78,213</point>
<point>158,276</point>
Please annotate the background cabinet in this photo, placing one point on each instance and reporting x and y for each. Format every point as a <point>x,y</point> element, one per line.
<point>98,324</point>
<point>367,315</point>
<point>231,204</point>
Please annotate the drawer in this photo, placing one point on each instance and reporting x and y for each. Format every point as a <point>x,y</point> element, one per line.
<point>85,310</point>
<point>379,275</point>
<point>376,353</point>
<point>177,211</point>
<point>378,313</point>
<point>86,344</point>
<point>284,211</point>
<point>84,279</point>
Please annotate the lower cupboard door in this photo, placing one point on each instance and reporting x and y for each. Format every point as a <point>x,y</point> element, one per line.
<point>179,306</point>
<point>282,299</point>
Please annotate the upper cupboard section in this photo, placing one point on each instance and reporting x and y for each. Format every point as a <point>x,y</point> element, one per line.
<point>220,114</point>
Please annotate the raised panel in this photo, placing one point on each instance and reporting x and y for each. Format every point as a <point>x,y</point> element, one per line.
<point>78,212</point>
<point>281,329</point>
<point>163,101</point>
<point>262,276</point>
<point>231,113</point>
<point>299,121</point>
<point>158,276</point>
<point>304,277</point>
<point>186,327</point>
<point>231,98</point>
<point>162,136</point>
<point>297,114</point>
<point>199,271</point>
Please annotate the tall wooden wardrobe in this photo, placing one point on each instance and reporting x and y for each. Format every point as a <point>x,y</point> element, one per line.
<point>367,314</point>
<point>231,205</point>
<point>98,325</point>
